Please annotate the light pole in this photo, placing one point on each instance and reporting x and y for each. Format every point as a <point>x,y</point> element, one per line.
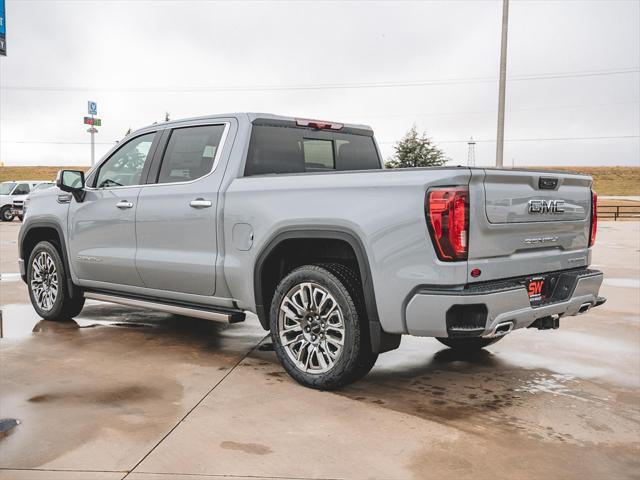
<point>93,146</point>
<point>503,81</point>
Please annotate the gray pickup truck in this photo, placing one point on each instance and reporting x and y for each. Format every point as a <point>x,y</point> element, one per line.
<point>297,221</point>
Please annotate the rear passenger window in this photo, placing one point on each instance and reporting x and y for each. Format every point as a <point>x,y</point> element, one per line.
<point>276,149</point>
<point>190,153</point>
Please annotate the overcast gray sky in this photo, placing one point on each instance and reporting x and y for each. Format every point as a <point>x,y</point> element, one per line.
<point>573,91</point>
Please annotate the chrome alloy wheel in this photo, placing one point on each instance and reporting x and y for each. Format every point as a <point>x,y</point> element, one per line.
<point>311,327</point>
<point>44,281</point>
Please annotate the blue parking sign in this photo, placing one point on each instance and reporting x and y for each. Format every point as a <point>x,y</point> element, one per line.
<point>92,107</point>
<point>3,29</point>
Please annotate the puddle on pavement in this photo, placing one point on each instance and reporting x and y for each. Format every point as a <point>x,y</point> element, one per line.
<point>21,320</point>
<point>499,389</point>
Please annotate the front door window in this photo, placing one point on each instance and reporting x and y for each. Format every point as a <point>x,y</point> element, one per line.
<point>124,168</point>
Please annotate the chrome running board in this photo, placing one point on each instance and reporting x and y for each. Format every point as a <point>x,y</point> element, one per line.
<point>229,316</point>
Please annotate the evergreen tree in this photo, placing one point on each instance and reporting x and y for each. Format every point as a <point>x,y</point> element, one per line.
<point>416,151</point>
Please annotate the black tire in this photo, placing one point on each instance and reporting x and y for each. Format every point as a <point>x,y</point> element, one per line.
<point>63,307</point>
<point>471,344</point>
<point>356,358</point>
<point>5,214</point>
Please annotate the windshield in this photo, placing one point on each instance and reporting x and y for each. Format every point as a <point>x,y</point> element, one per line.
<point>6,188</point>
<point>43,186</point>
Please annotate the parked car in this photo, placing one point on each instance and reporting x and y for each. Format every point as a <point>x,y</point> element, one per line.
<point>298,221</point>
<point>11,192</point>
<point>19,204</point>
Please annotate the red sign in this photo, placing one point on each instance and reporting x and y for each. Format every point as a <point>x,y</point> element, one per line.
<point>97,122</point>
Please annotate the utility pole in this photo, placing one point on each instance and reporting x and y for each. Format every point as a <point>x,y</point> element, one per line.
<point>503,81</point>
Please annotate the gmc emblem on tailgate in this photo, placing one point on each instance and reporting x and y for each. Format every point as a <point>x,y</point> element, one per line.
<point>545,206</point>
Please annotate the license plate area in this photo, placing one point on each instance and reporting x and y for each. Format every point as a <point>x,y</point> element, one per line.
<point>540,288</point>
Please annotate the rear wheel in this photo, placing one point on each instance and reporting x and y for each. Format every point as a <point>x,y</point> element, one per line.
<point>47,283</point>
<point>5,214</point>
<point>319,326</point>
<point>468,344</point>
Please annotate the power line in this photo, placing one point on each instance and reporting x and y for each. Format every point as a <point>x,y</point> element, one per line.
<point>328,86</point>
<point>484,112</point>
<point>556,139</point>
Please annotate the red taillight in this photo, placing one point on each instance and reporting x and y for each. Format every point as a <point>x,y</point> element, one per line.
<point>318,124</point>
<point>594,218</point>
<point>447,211</point>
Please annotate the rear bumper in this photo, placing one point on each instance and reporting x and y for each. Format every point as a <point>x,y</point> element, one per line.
<point>477,310</point>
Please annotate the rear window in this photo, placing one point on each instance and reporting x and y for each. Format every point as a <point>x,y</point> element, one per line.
<point>276,149</point>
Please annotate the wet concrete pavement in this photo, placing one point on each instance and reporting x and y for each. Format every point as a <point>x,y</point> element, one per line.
<point>130,393</point>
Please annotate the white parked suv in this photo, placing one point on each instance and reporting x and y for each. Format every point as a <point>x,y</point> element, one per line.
<point>11,192</point>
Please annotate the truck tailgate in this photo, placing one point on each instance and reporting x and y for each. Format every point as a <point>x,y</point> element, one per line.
<point>554,197</point>
<point>526,222</point>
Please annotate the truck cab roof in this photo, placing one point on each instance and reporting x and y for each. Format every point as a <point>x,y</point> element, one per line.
<point>251,117</point>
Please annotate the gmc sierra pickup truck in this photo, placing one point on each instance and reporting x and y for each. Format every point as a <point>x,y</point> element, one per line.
<point>297,221</point>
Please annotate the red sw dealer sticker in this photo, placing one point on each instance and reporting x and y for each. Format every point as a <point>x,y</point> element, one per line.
<point>536,289</point>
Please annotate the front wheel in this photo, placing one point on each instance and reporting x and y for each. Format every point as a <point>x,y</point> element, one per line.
<point>47,283</point>
<point>5,214</point>
<point>469,344</point>
<point>319,326</point>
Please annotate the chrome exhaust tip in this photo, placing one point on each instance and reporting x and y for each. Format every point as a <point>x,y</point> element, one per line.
<point>500,329</point>
<point>584,308</point>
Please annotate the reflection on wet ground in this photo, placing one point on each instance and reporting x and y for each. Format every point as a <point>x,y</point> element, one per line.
<point>20,320</point>
<point>115,379</point>
<point>475,391</point>
<point>111,381</point>
<point>525,418</point>
<point>120,388</point>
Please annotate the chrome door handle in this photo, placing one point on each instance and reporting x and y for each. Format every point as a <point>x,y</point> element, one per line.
<point>200,203</point>
<point>122,204</point>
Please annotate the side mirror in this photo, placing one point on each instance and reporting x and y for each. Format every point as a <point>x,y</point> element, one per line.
<point>71,181</point>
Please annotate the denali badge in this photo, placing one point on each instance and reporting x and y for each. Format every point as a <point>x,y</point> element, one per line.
<point>545,206</point>
<point>87,258</point>
<point>538,240</point>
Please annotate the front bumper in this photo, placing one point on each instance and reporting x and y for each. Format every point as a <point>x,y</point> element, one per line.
<point>477,310</point>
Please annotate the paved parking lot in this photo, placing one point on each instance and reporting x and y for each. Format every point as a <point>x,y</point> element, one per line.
<point>130,393</point>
